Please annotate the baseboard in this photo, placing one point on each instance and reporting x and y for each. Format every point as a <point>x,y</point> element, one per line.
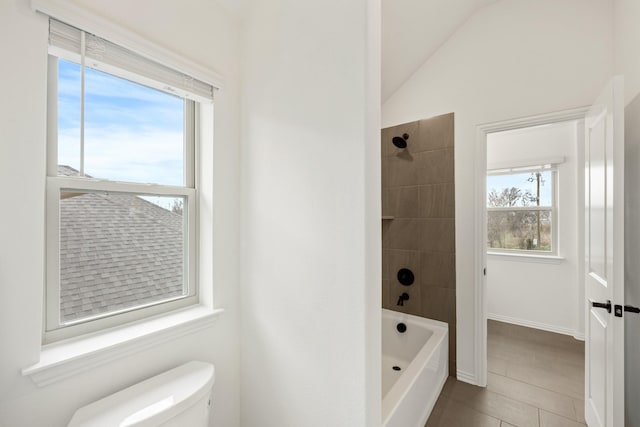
<point>466,377</point>
<point>536,325</point>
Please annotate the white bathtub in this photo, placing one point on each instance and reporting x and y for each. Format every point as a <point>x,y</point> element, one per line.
<point>422,354</point>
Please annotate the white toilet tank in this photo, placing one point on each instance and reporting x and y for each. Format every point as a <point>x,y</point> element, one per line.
<point>180,397</point>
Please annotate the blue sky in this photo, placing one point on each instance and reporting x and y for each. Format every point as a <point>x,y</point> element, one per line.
<point>132,133</point>
<point>520,180</point>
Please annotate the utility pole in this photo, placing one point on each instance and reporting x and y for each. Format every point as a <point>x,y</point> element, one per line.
<point>538,177</point>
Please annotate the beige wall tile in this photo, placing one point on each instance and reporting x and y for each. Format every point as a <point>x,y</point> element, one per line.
<point>437,201</point>
<point>384,176</point>
<point>396,259</point>
<point>439,304</point>
<point>386,226</point>
<point>402,202</point>
<point>411,306</point>
<point>388,149</point>
<point>452,348</point>
<point>402,234</point>
<point>386,202</point>
<point>438,269</point>
<point>428,234</point>
<point>436,132</point>
<point>438,235</point>
<point>386,273</point>
<point>386,295</point>
<point>418,190</point>
<point>429,167</point>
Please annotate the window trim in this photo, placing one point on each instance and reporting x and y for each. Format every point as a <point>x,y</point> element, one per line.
<point>527,257</point>
<point>53,329</point>
<point>64,359</point>
<point>100,26</point>
<point>67,358</point>
<point>554,252</point>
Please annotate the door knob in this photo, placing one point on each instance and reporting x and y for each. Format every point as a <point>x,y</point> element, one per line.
<point>606,305</point>
<point>631,309</point>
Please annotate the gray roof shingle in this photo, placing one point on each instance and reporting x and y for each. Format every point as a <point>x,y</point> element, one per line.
<point>117,251</point>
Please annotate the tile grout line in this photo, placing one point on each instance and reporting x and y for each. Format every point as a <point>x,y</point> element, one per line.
<point>565,418</point>
<point>547,389</point>
<point>541,388</point>
<point>509,362</point>
<point>482,411</point>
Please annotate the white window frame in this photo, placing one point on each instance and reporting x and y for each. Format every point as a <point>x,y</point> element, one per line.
<point>54,329</point>
<point>553,208</point>
<point>66,358</point>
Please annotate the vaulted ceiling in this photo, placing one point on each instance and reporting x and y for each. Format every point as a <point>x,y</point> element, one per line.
<point>413,30</point>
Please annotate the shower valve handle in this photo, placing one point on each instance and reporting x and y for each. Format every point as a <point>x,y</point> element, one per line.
<point>403,298</point>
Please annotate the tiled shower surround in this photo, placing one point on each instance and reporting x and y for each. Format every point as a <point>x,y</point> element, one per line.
<point>418,225</point>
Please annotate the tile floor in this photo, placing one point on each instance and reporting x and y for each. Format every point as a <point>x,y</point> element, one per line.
<point>536,379</point>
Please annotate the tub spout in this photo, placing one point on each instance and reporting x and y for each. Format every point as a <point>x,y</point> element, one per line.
<point>403,298</point>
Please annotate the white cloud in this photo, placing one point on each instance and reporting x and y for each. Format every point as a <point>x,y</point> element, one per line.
<point>122,155</point>
<point>132,133</point>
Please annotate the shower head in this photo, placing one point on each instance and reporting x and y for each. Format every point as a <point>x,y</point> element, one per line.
<point>400,142</point>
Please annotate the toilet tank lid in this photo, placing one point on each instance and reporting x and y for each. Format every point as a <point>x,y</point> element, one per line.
<point>150,402</point>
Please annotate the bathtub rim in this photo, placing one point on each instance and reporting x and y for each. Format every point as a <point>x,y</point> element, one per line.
<point>405,382</point>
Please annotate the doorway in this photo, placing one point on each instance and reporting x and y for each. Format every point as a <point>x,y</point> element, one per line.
<point>533,249</point>
<point>538,163</point>
<point>535,331</point>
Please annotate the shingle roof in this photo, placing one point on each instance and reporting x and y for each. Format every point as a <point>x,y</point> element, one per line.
<point>116,251</point>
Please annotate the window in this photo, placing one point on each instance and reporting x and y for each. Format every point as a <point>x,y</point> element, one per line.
<point>121,186</point>
<point>521,210</point>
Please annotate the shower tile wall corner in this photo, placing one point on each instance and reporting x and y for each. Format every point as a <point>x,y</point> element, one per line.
<point>418,192</point>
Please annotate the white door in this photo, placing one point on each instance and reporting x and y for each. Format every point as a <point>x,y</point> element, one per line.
<point>604,259</point>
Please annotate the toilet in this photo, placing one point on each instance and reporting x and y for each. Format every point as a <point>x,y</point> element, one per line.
<point>179,397</point>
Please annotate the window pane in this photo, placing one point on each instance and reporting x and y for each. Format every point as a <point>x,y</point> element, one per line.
<point>525,230</point>
<point>69,114</point>
<point>119,251</point>
<point>520,189</point>
<point>132,133</point>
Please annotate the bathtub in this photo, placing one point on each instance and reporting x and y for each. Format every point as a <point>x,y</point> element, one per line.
<point>422,356</point>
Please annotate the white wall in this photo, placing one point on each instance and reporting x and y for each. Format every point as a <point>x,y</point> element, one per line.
<point>514,58</point>
<point>534,293</point>
<point>311,214</point>
<point>627,37</point>
<point>199,30</point>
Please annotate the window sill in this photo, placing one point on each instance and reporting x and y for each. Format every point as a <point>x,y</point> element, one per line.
<point>520,257</point>
<point>66,358</point>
